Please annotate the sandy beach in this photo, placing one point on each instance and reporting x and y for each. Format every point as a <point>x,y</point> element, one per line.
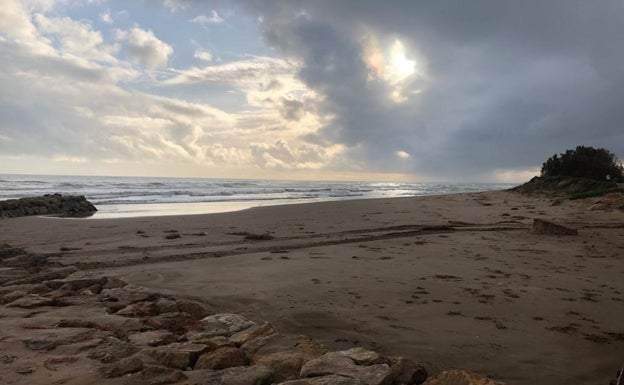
<point>454,281</point>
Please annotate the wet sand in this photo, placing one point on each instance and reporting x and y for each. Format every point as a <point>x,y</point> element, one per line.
<point>452,281</point>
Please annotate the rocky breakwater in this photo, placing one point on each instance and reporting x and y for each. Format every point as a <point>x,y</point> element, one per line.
<point>50,204</point>
<point>59,324</point>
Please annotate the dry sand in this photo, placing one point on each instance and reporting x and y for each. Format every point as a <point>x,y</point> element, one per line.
<point>452,281</point>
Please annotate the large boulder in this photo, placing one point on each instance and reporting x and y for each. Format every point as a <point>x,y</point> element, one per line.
<point>222,358</point>
<point>76,206</point>
<point>339,363</point>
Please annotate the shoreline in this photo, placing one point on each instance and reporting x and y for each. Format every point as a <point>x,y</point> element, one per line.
<point>450,280</point>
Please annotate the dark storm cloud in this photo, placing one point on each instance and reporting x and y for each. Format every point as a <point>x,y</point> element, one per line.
<point>508,83</point>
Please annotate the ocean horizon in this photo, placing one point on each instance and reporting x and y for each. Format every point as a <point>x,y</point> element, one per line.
<point>120,196</point>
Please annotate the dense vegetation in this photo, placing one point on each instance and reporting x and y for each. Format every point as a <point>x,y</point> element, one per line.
<point>576,174</point>
<point>585,162</point>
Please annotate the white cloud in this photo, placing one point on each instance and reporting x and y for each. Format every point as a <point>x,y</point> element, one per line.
<point>174,5</point>
<point>106,17</point>
<point>402,155</point>
<point>279,155</point>
<point>75,37</point>
<point>203,55</point>
<point>214,18</point>
<point>252,68</point>
<point>142,47</point>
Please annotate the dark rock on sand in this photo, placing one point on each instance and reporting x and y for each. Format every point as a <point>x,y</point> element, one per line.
<point>49,204</point>
<point>542,226</point>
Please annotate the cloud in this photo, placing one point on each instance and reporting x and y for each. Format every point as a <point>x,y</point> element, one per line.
<point>90,119</point>
<point>75,37</point>
<point>279,155</point>
<point>203,55</point>
<point>174,5</point>
<point>106,17</point>
<point>214,18</point>
<point>238,71</point>
<point>470,87</point>
<point>142,47</point>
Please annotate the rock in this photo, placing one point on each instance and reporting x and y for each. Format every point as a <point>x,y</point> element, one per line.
<point>30,301</point>
<point>75,284</point>
<point>127,295</point>
<point>139,309</point>
<point>278,342</point>
<point>178,322</point>
<point>225,324</point>
<point>152,338</point>
<point>113,283</point>
<point>222,358</point>
<point>177,355</point>
<point>156,375</point>
<point>460,377</point>
<point>121,367</point>
<point>48,274</point>
<point>212,343</point>
<point>252,333</point>
<point>111,350</point>
<point>65,206</point>
<point>119,325</point>
<point>542,226</point>
<point>12,296</point>
<point>8,251</point>
<point>196,310</point>
<point>40,343</point>
<point>241,375</point>
<point>49,340</point>
<point>340,364</point>
<point>30,288</point>
<point>407,372</point>
<point>162,306</point>
<point>361,356</point>
<point>25,261</point>
<point>325,380</point>
<point>287,365</point>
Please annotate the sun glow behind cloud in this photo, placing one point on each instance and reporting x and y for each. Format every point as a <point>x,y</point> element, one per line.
<point>392,65</point>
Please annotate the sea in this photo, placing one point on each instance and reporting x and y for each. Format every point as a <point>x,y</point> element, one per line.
<point>118,197</point>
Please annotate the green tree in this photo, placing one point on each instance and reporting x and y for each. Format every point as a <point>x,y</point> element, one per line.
<point>585,162</point>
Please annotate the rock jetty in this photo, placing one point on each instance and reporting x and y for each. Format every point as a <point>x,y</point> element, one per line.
<point>75,206</point>
<point>59,323</point>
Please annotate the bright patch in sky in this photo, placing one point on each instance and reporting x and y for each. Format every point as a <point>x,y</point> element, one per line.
<point>400,67</point>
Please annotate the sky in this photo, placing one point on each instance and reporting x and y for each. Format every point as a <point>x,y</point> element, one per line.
<point>445,90</point>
